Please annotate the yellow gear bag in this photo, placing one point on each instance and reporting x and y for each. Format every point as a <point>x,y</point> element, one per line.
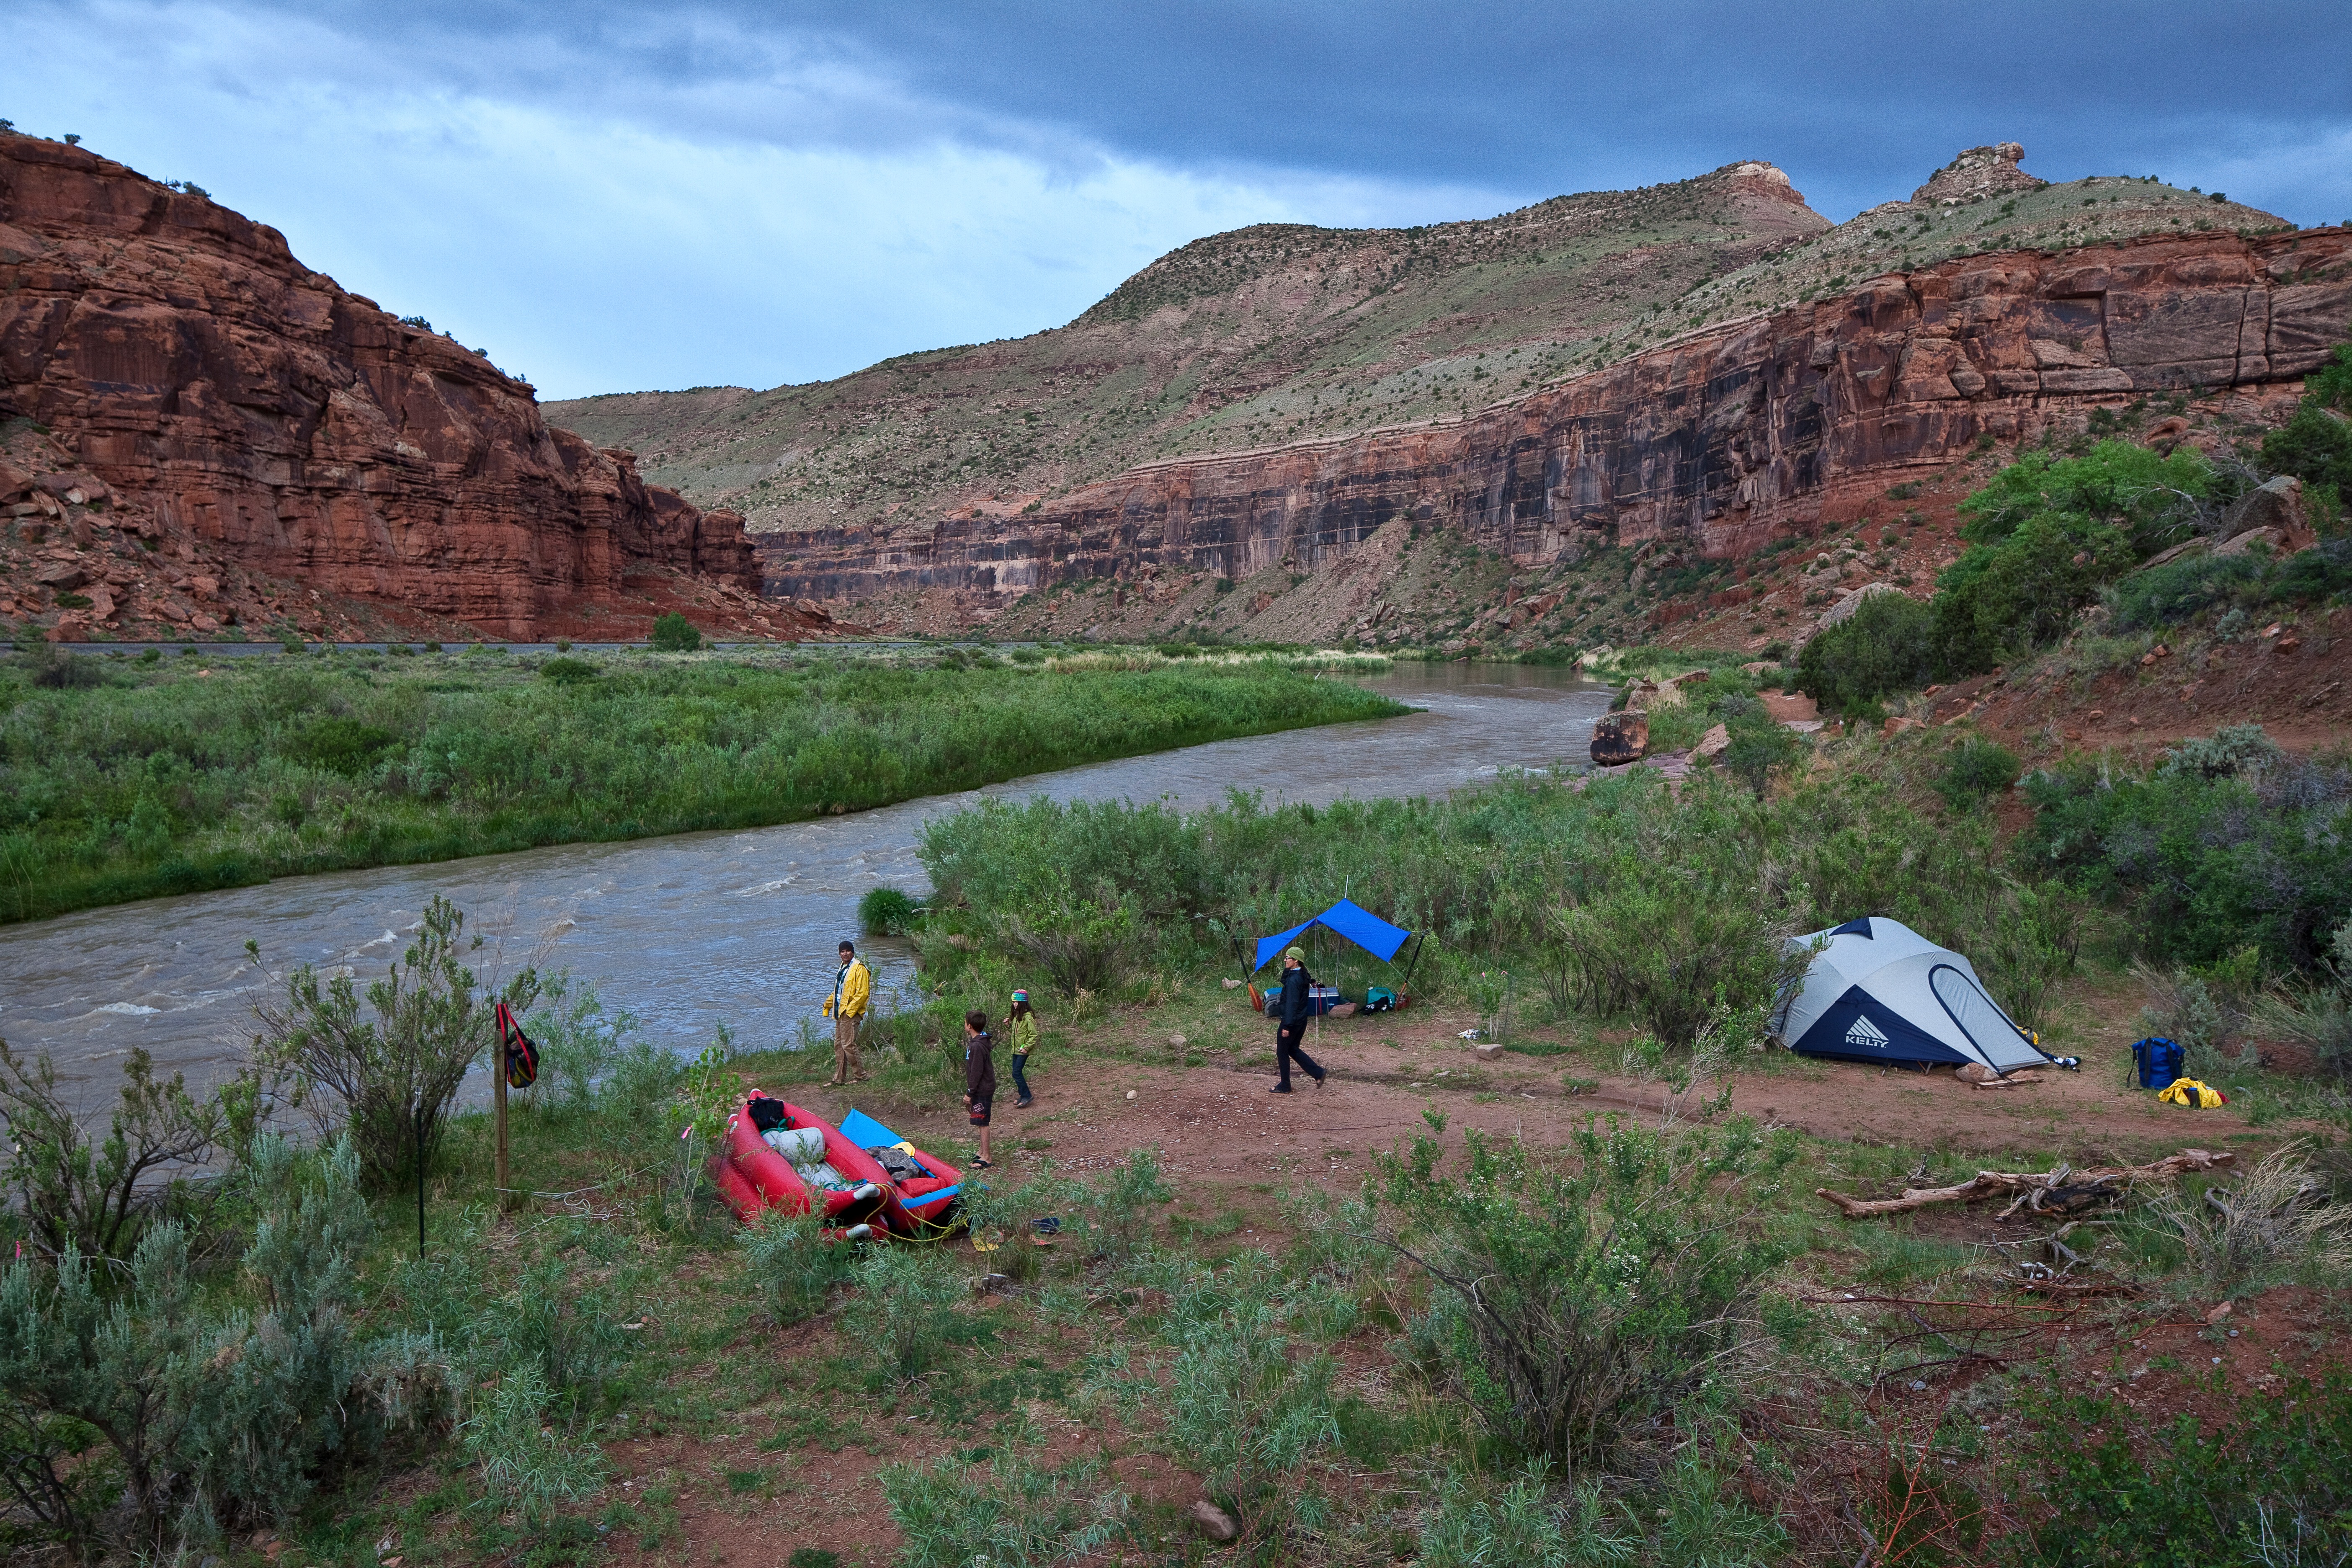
<point>2187,1091</point>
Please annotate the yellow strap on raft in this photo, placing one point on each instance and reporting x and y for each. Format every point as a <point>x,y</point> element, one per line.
<point>2196,1096</point>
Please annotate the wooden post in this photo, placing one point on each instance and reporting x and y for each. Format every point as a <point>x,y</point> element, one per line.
<point>420,1184</point>
<point>499,1114</point>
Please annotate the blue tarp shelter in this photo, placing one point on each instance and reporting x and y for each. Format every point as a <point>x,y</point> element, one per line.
<point>1360,926</point>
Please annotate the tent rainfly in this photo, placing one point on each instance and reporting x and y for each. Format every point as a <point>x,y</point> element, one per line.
<point>1879,992</point>
<point>1359,925</point>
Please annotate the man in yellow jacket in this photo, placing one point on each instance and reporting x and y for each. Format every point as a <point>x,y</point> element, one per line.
<point>852,986</point>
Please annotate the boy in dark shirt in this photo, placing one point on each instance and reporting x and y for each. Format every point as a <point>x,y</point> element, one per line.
<point>978,1078</point>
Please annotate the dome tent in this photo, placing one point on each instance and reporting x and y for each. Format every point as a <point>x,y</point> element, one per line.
<point>1877,991</point>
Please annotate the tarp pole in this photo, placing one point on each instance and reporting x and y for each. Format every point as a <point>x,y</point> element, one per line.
<point>1419,937</point>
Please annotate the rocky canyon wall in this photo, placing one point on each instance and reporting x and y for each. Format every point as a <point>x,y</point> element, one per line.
<point>227,393</point>
<point>1716,440</point>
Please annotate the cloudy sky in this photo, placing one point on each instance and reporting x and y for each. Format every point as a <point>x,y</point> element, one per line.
<point>609,197</point>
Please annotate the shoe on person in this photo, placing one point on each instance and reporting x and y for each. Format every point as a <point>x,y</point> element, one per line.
<point>1321,1075</point>
<point>979,1164</point>
<point>861,1078</point>
<point>1025,1104</point>
<point>1278,1088</point>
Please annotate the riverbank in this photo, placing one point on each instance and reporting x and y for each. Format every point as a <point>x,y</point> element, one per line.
<point>615,1372</point>
<point>129,778</point>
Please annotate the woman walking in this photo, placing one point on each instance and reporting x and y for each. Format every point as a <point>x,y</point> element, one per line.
<point>1021,1026</point>
<point>1296,1007</point>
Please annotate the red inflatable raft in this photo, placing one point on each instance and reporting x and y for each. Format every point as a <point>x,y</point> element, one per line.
<point>798,1162</point>
<point>922,1188</point>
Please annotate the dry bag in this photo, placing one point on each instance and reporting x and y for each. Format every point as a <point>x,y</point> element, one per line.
<point>521,1055</point>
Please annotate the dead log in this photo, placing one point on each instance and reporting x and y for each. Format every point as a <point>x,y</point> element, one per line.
<point>2032,1188</point>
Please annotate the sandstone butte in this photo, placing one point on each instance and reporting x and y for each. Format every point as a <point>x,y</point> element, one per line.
<point>260,426</point>
<point>1714,441</point>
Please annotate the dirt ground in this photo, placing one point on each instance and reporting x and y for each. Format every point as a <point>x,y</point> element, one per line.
<point>1229,1148</point>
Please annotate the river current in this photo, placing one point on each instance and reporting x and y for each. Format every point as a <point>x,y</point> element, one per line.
<point>695,929</point>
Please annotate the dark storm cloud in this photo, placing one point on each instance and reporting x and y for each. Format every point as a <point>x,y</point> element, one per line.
<point>1858,100</point>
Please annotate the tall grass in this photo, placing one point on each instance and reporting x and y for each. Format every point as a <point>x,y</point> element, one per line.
<point>161,778</point>
<point>1559,885</point>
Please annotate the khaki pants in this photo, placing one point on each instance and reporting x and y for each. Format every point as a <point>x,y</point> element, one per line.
<point>845,1049</point>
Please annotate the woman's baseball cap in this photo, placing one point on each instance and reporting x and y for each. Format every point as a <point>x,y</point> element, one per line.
<point>1021,995</point>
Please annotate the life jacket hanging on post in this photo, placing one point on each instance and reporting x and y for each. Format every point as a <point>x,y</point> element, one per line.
<point>521,1058</point>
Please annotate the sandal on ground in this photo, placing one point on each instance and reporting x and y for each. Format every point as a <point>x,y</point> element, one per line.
<point>983,1165</point>
<point>1321,1075</point>
<point>1279,1088</point>
<point>1023,1104</point>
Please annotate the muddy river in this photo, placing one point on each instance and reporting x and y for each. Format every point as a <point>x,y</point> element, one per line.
<point>690,931</point>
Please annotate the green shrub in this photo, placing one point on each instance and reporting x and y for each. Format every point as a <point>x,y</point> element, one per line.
<point>2270,1484</point>
<point>2023,592</point>
<point>2314,446</point>
<point>2152,499</point>
<point>1888,645</point>
<point>204,1409</point>
<point>2330,386</point>
<point>1673,944</point>
<point>1248,1408</point>
<point>1761,748</point>
<point>2322,571</point>
<point>1581,1291</point>
<point>908,1294</point>
<point>2206,858</point>
<point>793,1265</point>
<point>1082,942</point>
<point>341,744</point>
<point>2230,752</point>
<point>2179,590</point>
<point>1480,1525</point>
<point>524,1463</point>
<point>389,1081</point>
<point>1120,1206</point>
<point>95,1197</point>
<point>886,911</point>
<point>672,633</point>
<point>1015,1513</point>
<point>1977,769</point>
<point>569,672</point>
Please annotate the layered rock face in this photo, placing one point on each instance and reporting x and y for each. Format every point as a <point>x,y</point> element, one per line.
<point>1716,440</point>
<point>230,397</point>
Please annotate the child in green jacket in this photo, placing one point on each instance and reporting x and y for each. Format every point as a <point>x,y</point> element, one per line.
<point>1021,1025</point>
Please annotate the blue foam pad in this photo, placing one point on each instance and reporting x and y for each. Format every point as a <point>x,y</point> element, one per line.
<point>866,1133</point>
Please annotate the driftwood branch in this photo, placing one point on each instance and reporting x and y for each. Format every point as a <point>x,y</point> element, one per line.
<point>2072,1189</point>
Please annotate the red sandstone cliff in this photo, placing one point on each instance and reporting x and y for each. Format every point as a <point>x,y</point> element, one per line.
<point>242,405</point>
<point>1713,441</point>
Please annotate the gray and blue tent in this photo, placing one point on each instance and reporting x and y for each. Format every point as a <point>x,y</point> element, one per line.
<point>1877,991</point>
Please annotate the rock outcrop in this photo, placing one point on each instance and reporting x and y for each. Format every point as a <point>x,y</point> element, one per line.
<point>225,395</point>
<point>1976,173</point>
<point>1714,441</point>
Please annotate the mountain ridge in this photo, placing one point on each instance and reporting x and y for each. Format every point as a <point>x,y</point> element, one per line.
<point>1256,338</point>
